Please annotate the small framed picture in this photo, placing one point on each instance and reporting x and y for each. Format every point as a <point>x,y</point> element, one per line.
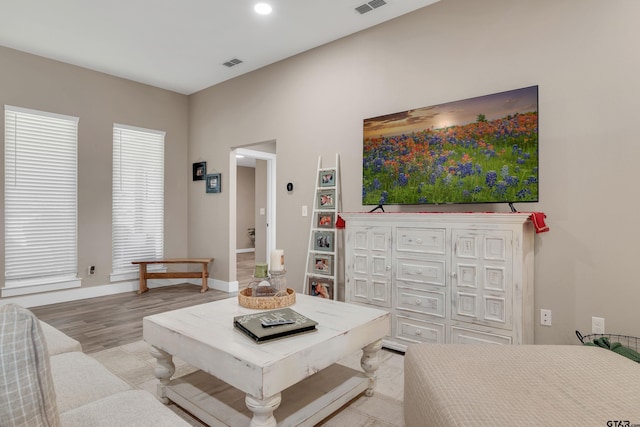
<point>325,220</point>
<point>323,264</point>
<point>213,183</point>
<point>320,287</point>
<point>323,241</point>
<point>199,171</point>
<point>327,178</point>
<point>326,199</point>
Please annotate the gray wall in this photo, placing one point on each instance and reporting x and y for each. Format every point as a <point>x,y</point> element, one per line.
<point>581,53</point>
<point>100,100</point>
<point>246,206</point>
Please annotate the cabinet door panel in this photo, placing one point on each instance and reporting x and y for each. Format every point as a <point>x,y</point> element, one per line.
<point>495,309</point>
<point>381,293</point>
<point>360,239</point>
<point>360,290</point>
<point>495,278</point>
<point>360,264</point>
<point>368,266</point>
<point>480,288</point>
<point>380,240</point>
<point>495,248</point>
<point>466,306</point>
<point>380,266</point>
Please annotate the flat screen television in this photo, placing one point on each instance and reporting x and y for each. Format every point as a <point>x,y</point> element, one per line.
<point>477,150</point>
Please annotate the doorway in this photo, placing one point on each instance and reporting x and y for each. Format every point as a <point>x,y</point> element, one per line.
<point>265,208</point>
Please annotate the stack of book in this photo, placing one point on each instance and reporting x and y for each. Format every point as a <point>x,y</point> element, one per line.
<point>273,324</point>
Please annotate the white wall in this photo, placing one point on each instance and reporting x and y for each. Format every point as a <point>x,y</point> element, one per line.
<point>581,53</point>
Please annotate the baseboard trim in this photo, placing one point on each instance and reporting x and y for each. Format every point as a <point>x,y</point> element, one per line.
<point>230,287</point>
<point>36,300</point>
<point>246,250</point>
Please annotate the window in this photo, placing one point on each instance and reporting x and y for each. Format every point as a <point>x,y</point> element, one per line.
<point>40,201</point>
<point>138,198</point>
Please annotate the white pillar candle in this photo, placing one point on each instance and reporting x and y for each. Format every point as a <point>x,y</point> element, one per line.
<point>277,260</point>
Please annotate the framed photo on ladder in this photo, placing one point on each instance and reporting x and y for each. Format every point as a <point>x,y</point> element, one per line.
<point>323,241</point>
<point>320,287</point>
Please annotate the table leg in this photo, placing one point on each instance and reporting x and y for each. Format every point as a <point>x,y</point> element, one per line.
<point>163,371</point>
<point>370,364</point>
<point>205,274</point>
<point>263,410</point>
<point>143,279</point>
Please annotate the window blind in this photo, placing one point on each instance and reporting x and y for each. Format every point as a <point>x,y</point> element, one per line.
<point>40,197</point>
<point>138,196</point>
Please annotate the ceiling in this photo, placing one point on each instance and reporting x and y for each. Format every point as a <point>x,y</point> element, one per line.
<point>181,45</point>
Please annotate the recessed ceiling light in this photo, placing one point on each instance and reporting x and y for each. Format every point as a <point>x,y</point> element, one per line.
<point>262,8</point>
<point>239,156</point>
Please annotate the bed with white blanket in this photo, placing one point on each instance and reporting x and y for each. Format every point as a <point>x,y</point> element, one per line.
<point>525,385</point>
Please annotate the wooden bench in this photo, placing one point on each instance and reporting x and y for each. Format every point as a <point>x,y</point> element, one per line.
<point>144,275</point>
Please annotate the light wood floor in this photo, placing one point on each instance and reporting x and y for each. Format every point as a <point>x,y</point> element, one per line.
<point>245,264</point>
<point>114,320</point>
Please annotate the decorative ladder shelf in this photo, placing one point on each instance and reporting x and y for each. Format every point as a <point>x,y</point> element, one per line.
<point>322,255</point>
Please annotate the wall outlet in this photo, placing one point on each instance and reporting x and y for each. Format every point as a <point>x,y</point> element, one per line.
<point>91,270</point>
<point>597,325</point>
<point>545,317</point>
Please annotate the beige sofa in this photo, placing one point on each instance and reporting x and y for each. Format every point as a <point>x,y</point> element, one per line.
<point>47,381</point>
<point>519,385</point>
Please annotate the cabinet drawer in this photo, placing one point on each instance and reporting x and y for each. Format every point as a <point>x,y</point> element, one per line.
<point>417,331</point>
<point>469,336</point>
<point>432,302</point>
<point>423,240</point>
<point>420,270</point>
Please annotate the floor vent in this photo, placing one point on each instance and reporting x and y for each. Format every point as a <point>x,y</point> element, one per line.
<point>373,4</point>
<point>232,62</point>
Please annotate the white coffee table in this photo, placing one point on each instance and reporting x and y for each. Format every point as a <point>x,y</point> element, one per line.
<point>294,380</point>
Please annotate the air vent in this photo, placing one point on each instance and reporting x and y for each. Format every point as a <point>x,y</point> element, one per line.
<point>232,62</point>
<point>373,4</point>
<point>364,9</point>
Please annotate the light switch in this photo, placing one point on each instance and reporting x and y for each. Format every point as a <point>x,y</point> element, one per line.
<point>304,211</point>
<point>262,211</point>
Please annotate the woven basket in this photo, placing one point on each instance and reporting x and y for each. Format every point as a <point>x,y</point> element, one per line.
<point>266,303</point>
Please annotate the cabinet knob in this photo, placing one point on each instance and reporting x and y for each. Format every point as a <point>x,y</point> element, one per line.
<point>418,301</point>
<point>454,275</point>
<point>418,240</point>
<point>418,271</point>
<point>418,332</point>
<point>388,267</point>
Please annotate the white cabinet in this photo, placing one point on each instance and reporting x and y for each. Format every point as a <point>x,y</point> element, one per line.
<point>446,277</point>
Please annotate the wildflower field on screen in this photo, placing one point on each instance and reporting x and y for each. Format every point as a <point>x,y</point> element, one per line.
<point>480,162</point>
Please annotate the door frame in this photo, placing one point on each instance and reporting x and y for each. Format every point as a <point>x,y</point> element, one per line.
<point>270,209</point>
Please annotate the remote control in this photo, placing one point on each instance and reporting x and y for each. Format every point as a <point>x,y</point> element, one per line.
<point>268,323</point>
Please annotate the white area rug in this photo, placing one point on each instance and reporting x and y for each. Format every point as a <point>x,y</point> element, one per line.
<point>134,364</point>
